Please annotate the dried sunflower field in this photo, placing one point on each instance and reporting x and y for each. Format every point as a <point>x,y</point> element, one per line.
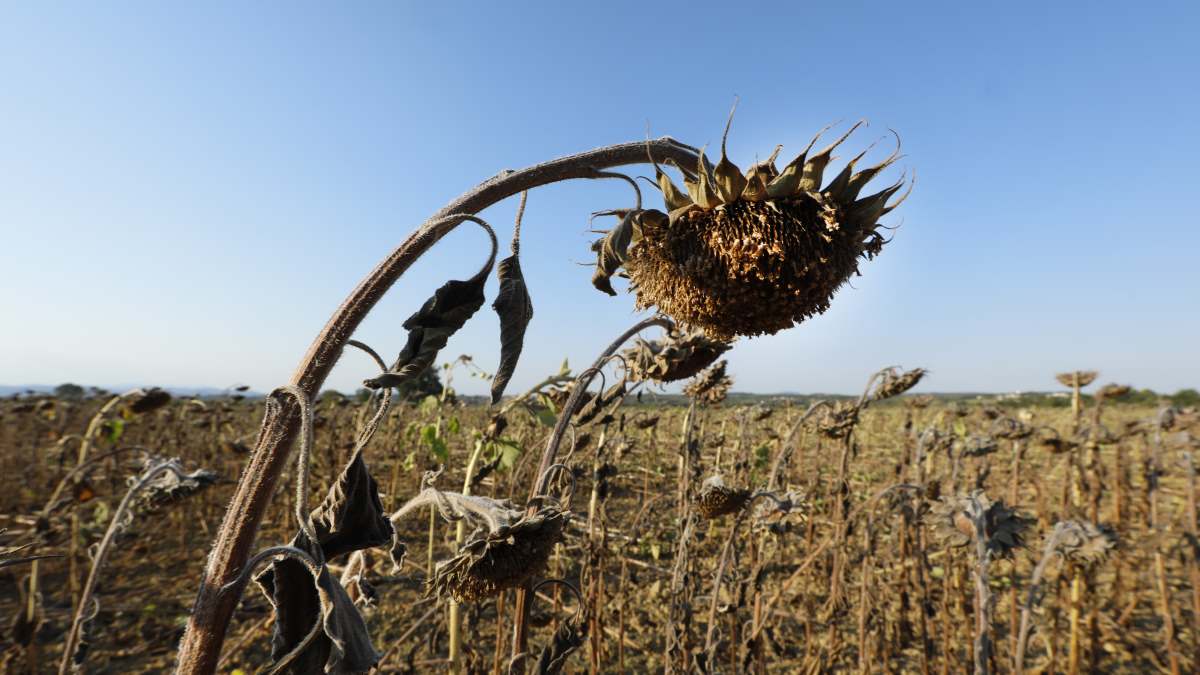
<point>594,522</point>
<point>783,536</point>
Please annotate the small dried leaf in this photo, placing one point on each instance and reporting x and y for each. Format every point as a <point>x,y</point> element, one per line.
<point>515,309</point>
<point>611,251</point>
<point>567,639</point>
<point>431,327</point>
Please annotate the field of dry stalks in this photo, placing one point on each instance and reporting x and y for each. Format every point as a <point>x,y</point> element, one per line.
<point>901,535</point>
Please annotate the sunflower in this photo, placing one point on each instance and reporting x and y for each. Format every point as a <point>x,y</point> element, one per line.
<point>715,499</point>
<point>500,559</point>
<point>676,356</point>
<point>754,252</point>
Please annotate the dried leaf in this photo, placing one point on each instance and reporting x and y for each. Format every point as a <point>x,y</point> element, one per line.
<point>431,327</point>
<point>567,639</point>
<point>299,600</point>
<point>611,250</point>
<point>515,309</point>
<point>350,518</point>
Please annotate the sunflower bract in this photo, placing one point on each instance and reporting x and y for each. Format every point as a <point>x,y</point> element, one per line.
<point>756,253</point>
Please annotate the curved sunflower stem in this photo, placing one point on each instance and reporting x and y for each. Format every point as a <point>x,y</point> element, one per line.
<point>200,648</point>
<point>541,478</point>
<point>115,525</point>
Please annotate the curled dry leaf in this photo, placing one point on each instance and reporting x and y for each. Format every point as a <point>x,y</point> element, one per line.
<point>350,518</point>
<point>613,250</point>
<point>431,326</point>
<point>516,310</point>
<point>1083,542</point>
<point>169,487</point>
<point>979,445</point>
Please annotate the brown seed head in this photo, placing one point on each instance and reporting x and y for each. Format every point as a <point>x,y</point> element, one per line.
<point>715,499</point>
<point>505,558</point>
<point>752,253</point>
<point>710,387</point>
<point>1084,377</point>
<point>676,356</point>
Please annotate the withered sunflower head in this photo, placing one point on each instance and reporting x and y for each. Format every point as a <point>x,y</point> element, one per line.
<point>979,445</point>
<point>715,499</point>
<point>755,252</point>
<point>839,420</point>
<point>919,402</point>
<point>1010,429</point>
<point>1082,377</point>
<point>1049,440</point>
<point>1083,542</point>
<point>676,356</point>
<point>709,387</point>
<point>500,559</point>
<point>893,382</point>
<point>147,400</point>
<point>951,520</point>
<point>1112,391</point>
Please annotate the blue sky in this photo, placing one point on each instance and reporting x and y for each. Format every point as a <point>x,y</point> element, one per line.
<point>187,193</point>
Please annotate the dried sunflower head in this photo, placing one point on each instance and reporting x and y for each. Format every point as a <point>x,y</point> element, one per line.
<point>839,420</point>
<point>1010,429</point>
<point>919,402</point>
<point>1112,391</point>
<point>951,521</point>
<point>893,382</point>
<point>171,486</point>
<point>978,446</point>
<point>709,387</point>
<point>147,400</point>
<point>754,252</point>
<point>503,558</point>
<point>1083,542</point>
<point>715,499</point>
<point>1049,440</point>
<point>675,356</point>
<point>1081,378</point>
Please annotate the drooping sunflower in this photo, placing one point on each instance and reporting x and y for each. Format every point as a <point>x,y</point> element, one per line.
<point>754,252</point>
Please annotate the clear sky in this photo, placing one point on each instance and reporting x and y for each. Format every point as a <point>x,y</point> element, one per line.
<point>187,193</point>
